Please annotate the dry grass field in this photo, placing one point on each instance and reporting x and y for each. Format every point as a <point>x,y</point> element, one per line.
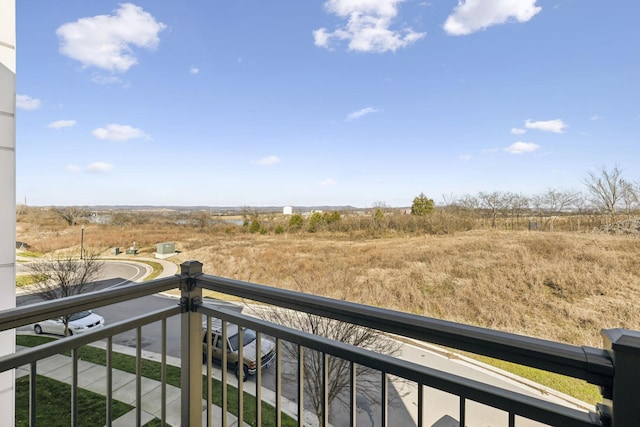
<point>560,286</point>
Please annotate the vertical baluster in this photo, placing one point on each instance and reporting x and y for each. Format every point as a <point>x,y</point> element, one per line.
<point>74,386</point>
<point>224,349</point>
<point>420,405</point>
<point>163,374</point>
<point>278,383</point>
<point>352,390</point>
<point>209,375</point>
<point>463,412</point>
<point>384,401</point>
<point>241,375</point>
<point>259,378</point>
<point>32,394</point>
<point>300,385</point>
<point>139,376</point>
<point>512,419</point>
<point>325,390</point>
<point>109,380</point>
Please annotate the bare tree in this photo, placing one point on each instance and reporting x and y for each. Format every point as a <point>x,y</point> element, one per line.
<point>383,206</point>
<point>468,202</point>
<point>516,204</point>
<point>71,214</point>
<point>64,276</point>
<point>379,210</point>
<point>553,202</point>
<point>630,196</point>
<point>606,188</point>
<point>338,370</point>
<point>201,220</point>
<point>494,202</point>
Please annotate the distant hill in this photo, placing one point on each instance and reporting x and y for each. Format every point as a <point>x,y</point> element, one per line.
<point>232,210</point>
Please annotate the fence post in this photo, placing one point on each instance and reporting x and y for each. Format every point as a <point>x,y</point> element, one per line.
<point>191,345</point>
<point>622,401</point>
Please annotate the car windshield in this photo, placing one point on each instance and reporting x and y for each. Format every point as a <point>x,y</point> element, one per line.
<point>79,315</point>
<point>248,336</point>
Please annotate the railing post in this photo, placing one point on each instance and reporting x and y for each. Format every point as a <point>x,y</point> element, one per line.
<point>622,401</point>
<point>191,345</point>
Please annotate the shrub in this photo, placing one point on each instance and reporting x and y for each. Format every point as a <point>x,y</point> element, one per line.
<point>422,205</point>
<point>315,221</point>
<point>255,226</point>
<point>295,222</point>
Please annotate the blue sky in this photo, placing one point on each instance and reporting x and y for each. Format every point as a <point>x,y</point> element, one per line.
<point>339,102</point>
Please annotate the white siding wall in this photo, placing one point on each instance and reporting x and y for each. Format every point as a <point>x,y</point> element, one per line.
<point>7,195</point>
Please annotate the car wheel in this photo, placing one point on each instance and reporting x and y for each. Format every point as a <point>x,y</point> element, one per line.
<point>70,333</point>
<point>244,372</point>
<point>37,329</point>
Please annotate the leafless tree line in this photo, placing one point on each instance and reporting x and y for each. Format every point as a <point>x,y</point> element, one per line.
<point>608,193</point>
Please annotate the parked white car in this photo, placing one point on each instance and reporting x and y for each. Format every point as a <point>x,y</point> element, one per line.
<point>80,322</point>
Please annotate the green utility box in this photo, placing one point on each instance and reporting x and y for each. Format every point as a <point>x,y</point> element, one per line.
<point>165,248</point>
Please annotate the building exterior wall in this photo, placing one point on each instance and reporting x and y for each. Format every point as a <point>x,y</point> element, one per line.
<point>7,195</point>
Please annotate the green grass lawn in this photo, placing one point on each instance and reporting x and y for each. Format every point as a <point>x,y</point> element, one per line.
<point>29,279</point>
<point>570,386</point>
<point>152,370</point>
<point>28,254</point>
<point>53,404</point>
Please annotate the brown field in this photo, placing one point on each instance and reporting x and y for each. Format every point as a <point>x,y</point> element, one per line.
<point>557,285</point>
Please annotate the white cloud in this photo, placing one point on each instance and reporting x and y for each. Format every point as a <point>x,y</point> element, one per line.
<point>106,41</point>
<point>555,126</point>
<point>596,117</point>
<point>105,80</point>
<point>521,147</point>
<point>327,182</point>
<point>464,157</point>
<point>490,150</point>
<point>357,114</point>
<point>269,160</point>
<point>99,167</point>
<point>368,26</point>
<point>194,70</point>
<point>59,124</point>
<point>518,131</point>
<point>470,16</point>
<point>26,102</point>
<point>95,167</point>
<point>115,132</point>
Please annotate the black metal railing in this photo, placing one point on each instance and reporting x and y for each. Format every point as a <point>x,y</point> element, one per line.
<point>614,368</point>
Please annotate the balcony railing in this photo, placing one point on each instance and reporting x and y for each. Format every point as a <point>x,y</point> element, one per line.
<point>614,368</point>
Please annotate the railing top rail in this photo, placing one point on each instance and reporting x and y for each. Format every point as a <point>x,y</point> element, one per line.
<point>24,315</point>
<point>591,364</point>
<point>519,404</point>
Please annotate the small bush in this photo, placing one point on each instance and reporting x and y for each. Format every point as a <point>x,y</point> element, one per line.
<point>295,222</point>
<point>255,226</point>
